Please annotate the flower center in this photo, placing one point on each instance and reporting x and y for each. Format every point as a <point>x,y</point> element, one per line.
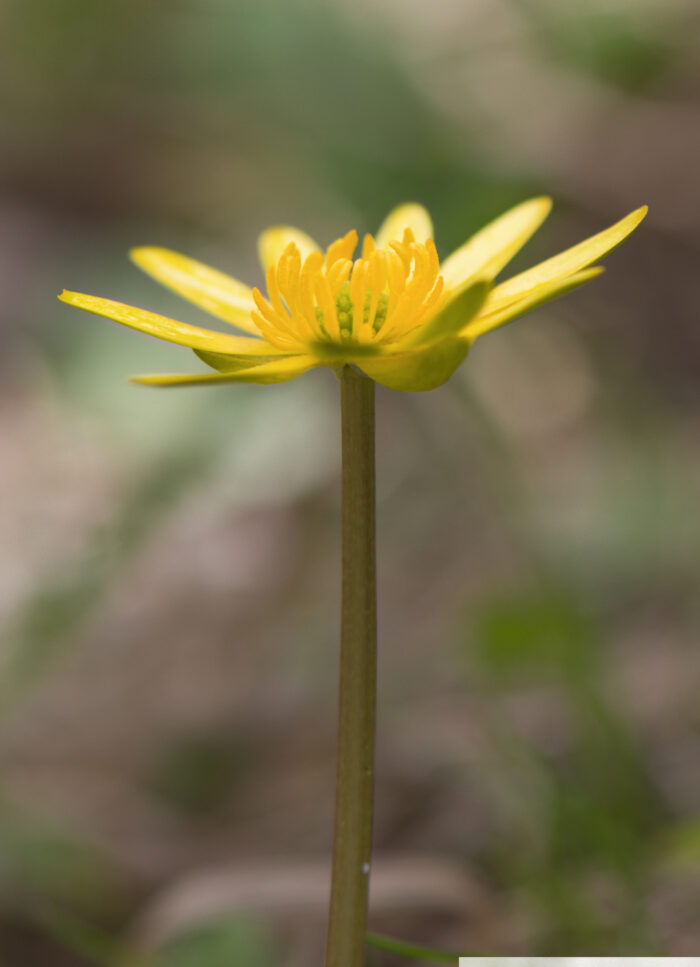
<point>330,301</point>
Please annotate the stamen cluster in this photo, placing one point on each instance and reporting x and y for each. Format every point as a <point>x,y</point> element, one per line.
<point>371,301</point>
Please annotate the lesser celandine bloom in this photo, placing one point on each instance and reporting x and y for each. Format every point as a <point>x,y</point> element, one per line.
<point>392,314</point>
<point>394,311</point>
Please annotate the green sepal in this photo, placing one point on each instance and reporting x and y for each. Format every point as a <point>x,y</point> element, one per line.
<point>229,363</point>
<point>453,317</point>
<point>415,372</point>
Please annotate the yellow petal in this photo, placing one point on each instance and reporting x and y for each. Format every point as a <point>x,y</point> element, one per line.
<point>168,329</point>
<point>450,320</point>
<point>278,371</point>
<point>423,369</point>
<point>487,252</point>
<point>544,293</point>
<point>410,215</point>
<point>566,263</point>
<point>273,241</point>
<point>211,290</point>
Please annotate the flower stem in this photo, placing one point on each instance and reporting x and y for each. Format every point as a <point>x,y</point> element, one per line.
<point>352,838</point>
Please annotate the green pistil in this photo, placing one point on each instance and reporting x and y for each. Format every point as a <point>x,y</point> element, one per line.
<point>345,311</point>
<point>380,314</point>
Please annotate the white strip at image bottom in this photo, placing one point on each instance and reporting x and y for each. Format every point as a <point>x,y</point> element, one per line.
<point>579,962</point>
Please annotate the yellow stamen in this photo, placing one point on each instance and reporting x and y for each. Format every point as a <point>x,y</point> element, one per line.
<point>342,248</point>
<point>310,269</point>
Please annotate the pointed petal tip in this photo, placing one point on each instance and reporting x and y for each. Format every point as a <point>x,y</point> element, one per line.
<point>540,203</point>
<point>160,379</point>
<point>138,252</point>
<point>146,256</point>
<point>152,379</point>
<point>633,219</point>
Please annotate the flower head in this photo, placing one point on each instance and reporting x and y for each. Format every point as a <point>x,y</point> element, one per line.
<point>392,309</point>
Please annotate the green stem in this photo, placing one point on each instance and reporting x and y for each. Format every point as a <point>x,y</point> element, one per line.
<point>352,838</point>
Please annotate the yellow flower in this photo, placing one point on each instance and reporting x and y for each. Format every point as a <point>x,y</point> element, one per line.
<point>394,311</point>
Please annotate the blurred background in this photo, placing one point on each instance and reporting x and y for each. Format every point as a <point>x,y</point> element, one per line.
<point>169,581</point>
